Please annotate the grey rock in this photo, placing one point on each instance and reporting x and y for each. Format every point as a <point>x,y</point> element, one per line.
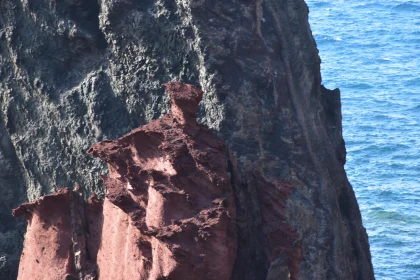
<point>12,193</point>
<point>75,72</point>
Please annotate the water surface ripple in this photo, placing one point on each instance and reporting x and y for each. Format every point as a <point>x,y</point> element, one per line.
<point>370,49</point>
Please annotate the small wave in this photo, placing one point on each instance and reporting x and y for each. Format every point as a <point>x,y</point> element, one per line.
<point>386,215</point>
<point>405,157</point>
<point>369,6</point>
<point>414,265</point>
<point>393,216</point>
<point>323,39</point>
<point>379,151</point>
<point>415,108</point>
<point>384,60</point>
<point>357,86</point>
<point>413,82</point>
<point>321,4</point>
<point>407,7</point>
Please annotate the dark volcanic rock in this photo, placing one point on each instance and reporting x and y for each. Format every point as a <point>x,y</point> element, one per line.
<point>12,193</point>
<point>75,72</point>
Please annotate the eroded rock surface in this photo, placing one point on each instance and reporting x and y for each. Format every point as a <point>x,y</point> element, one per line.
<point>169,211</point>
<point>169,187</point>
<point>59,228</point>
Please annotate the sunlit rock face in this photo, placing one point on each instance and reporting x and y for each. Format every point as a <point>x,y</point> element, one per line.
<point>62,237</point>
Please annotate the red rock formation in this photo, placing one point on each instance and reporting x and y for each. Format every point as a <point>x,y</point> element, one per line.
<point>55,242</point>
<point>169,192</point>
<point>169,211</point>
<point>48,240</point>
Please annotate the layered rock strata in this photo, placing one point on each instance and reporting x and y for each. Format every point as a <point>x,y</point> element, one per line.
<point>75,72</point>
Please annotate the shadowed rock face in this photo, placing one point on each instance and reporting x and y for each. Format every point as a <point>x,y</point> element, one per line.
<point>76,72</point>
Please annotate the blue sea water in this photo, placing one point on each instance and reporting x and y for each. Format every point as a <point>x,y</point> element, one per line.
<point>370,49</point>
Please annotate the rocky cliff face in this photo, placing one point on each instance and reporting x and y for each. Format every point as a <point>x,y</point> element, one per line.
<point>75,72</point>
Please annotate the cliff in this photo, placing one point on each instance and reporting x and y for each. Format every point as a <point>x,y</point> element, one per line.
<point>74,73</point>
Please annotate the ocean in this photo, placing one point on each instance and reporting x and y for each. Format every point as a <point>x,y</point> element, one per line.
<point>370,49</point>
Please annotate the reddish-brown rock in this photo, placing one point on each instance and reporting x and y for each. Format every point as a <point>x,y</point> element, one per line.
<point>169,211</point>
<point>55,242</point>
<point>48,240</point>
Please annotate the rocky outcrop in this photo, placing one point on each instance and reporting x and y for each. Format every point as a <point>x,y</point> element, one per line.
<point>76,72</point>
<point>169,211</point>
<point>168,185</point>
<point>56,241</point>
